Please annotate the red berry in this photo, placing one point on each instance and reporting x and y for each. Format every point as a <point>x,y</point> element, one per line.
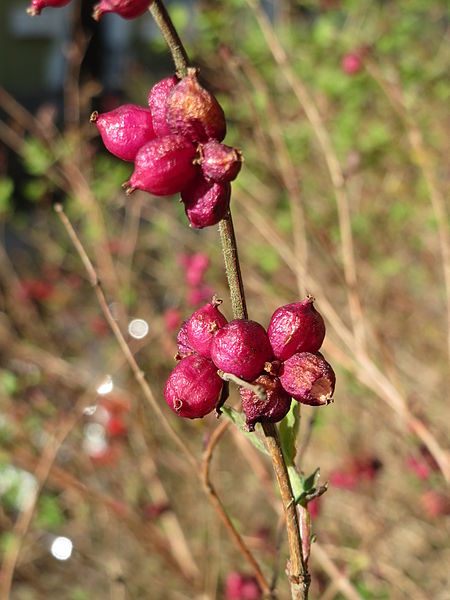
<point>206,203</point>
<point>184,345</point>
<point>296,327</point>
<point>193,387</point>
<point>241,347</point>
<point>164,166</point>
<point>202,326</point>
<point>125,130</point>
<point>351,63</point>
<point>157,100</point>
<point>127,9</point>
<point>271,410</point>
<point>37,5</point>
<point>219,162</point>
<point>308,378</point>
<point>193,112</point>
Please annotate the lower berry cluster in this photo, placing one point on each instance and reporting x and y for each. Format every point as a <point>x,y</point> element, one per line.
<point>175,144</point>
<point>283,362</point>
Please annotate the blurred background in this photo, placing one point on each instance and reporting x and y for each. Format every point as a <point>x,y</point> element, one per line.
<point>341,111</point>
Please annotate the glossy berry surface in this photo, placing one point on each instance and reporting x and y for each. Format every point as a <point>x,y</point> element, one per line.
<point>271,410</point>
<point>192,389</point>
<point>157,101</point>
<point>202,326</point>
<point>206,203</point>
<point>127,9</point>
<point>164,166</point>
<point>125,130</point>
<point>193,112</point>
<point>308,378</point>
<point>296,327</point>
<point>242,348</point>
<point>37,5</point>
<point>220,163</point>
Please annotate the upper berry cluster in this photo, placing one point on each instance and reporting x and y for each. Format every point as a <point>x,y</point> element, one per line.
<point>127,9</point>
<point>175,145</point>
<point>284,362</point>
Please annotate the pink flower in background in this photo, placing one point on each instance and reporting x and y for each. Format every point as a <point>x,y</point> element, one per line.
<point>351,63</point>
<point>172,319</point>
<point>314,508</point>
<point>241,587</point>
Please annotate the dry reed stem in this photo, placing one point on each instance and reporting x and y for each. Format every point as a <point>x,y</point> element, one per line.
<point>331,160</point>
<point>215,500</point>
<point>138,374</point>
<point>25,517</point>
<point>420,156</point>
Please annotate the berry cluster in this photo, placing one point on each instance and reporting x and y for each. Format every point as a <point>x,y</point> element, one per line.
<point>283,363</point>
<point>127,9</point>
<point>175,145</point>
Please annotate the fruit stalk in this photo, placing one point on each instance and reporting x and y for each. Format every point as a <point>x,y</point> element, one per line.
<point>298,571</point>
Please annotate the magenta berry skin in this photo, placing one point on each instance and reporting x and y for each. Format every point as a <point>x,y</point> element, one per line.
<point>206,203</point>
<point>202,326</point>
<point>37,5</point>
<point>241,347</point>
<point>157,101</point>
<point>192,389</point>
<point>193,112</point>
<point>184,346</point>
<point>125,130</point>
<point>308,378</point>
<point>127,9</point>
<point>296,327</point>
<point>220,163</point>
<point>164,166</point>
<point>351,63</point>
<point>272,410</point>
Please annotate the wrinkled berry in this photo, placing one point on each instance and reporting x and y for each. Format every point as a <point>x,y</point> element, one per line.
<point>184,345</point>
<point>271,410</point>
<point>202,326</point>
<point>296,327</point>
<point>125,130</point>
<point>192,389</point>
<point>37,5</point>
<point>157,100</point>
<point>127,9</point>
<point>308,378</point>
<point>206,203</point>
<point>241,347</point>
<point>193,112</point>
<point>220,163</point>
<point>164,166</point>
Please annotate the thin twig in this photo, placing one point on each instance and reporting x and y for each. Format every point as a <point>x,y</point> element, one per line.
<point>216,502</point>
<point>138,373</point>
<point>164,22</point>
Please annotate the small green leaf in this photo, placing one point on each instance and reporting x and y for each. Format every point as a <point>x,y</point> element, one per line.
<point>310,482</point>
<point>36,157</point>
<point>238,419</point>
<point>49,514</point>
<point>288,429</point>
<point>6,191</point>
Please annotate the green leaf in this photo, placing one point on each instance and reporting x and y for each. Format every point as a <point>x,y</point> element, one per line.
<point>49,515</point>
<point>36,157</point>
<point>288,429</point>
<point>6,191</point>
<point>238,419</point>
<point>310,482</point>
